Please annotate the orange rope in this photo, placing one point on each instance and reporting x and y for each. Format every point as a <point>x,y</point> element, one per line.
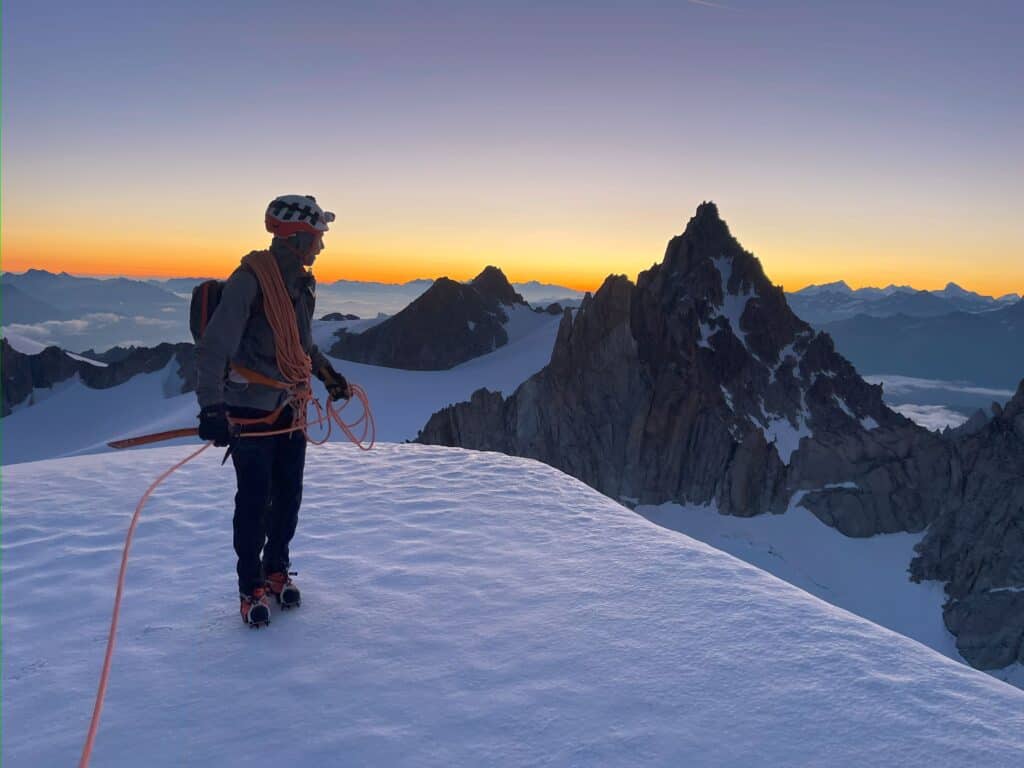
<point>367,437</point>
<point>105,674</point>
<point>292,360</point>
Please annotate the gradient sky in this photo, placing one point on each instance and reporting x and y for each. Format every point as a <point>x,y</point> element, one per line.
<point>872,141</point>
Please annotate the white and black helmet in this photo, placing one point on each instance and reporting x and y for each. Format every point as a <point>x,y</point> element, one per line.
<point>289,214</point>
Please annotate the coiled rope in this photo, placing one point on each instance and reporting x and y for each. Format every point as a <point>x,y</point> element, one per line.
<point>292,361</point>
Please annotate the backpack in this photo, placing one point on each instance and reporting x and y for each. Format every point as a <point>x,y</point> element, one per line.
<point>205,298</point>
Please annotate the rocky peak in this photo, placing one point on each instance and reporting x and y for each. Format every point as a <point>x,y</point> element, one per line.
<point>494,286</point>
<point>952,289</point>
<point>838,286</point>
<point>699,384</point>
<point>1014,408</point>
<point>24,373</point>
<point>450,323</point>
<point>976,544</point>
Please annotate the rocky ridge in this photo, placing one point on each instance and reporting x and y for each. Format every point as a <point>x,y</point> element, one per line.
<point>976,544</point>
<point>448,324</point>
<point>23,373</point>
<point>699,384</point>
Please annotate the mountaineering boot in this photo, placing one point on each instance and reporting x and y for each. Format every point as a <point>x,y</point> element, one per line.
<point>255,608</point>
<point>283,588</point>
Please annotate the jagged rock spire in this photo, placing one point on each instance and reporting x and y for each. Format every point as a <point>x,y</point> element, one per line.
<point>699,384</point>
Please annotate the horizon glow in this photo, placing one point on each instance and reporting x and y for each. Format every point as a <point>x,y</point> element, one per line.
<point>562,143</point>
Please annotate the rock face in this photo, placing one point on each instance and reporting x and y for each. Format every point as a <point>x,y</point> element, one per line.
<point>699,384</point>
<point>449,324</point>
<point>22,373</point>
<point>977,542</point>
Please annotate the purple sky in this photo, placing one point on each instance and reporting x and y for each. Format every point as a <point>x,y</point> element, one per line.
<point>867,140</point>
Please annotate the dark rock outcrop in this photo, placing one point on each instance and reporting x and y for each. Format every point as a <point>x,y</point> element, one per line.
<point>24,373</point>
<point>337,316</point>
<point>450,323</point>
<point>977,542</point>
<point>699,384</point>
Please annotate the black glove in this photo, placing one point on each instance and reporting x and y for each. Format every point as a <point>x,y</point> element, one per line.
<point>337,385</point>
<point>213,425</point>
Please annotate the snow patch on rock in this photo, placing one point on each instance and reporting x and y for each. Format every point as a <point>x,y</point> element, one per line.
<point>785,436</point>
<point>733,305</point>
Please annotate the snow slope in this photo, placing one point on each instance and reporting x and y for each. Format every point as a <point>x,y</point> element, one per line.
<point>867,577</point>
<point>72,419</point>
<point>460,608</point>
<point>29,346</point>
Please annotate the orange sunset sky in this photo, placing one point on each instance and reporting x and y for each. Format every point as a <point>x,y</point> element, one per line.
<point>558,144</point>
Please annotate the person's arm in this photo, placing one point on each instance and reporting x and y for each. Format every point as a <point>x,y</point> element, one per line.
<point>337,386</point>
<point>319,359</point>
<point>223,334</point>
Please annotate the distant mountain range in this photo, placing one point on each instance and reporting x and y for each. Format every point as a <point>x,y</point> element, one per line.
<point>951,334</point>
<point>79,313</point>
<point>819,304</point>
<point>71,296</point>
<point>985,348</point>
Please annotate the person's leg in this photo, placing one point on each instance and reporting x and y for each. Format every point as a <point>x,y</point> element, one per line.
<point>286,495</point>
<point>253,458</point>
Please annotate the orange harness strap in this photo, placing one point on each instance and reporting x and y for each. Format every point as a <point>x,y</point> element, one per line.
<point>255,377</point>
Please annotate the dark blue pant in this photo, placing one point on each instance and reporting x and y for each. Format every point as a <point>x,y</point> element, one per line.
<point>269,472</point>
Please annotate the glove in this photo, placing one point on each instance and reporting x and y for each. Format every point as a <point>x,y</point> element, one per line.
<point>337,385</point>
<point>213,425</point>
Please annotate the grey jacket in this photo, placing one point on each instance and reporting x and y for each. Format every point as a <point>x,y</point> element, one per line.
<point>239,333</point>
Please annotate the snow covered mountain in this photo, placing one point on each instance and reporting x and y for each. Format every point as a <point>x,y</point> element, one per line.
<point>830,302</point>
<point>460,608</point>
<point>449,324</point>
<point>30,376</point>
<point>699,384</point>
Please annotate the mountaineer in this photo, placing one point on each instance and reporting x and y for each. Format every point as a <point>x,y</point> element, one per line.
<point>254,357</point>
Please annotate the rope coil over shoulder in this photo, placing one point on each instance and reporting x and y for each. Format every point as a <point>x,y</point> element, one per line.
<point>292,361</point>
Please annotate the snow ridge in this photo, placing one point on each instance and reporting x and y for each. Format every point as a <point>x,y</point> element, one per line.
<point>460,608</point>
